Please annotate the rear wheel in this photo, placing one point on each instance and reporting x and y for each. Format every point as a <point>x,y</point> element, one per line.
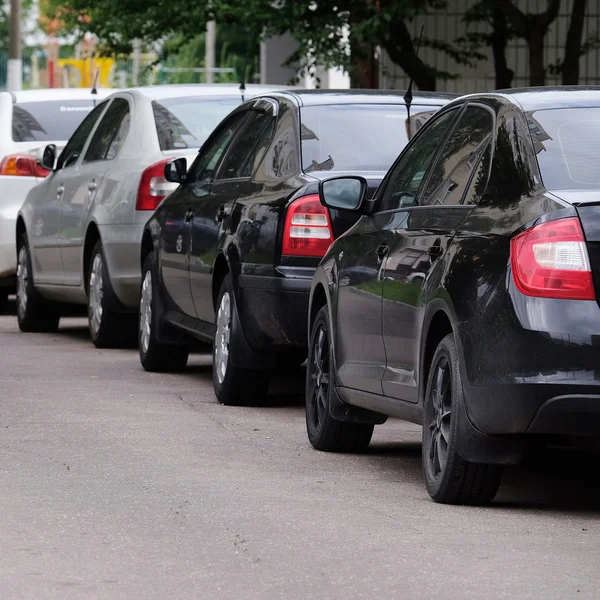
<point>234,386</point>
<point>155,356</point>
<point>448,477</point>
<point>108,329</point>
<point>325,432</point>
<point>33,313</point>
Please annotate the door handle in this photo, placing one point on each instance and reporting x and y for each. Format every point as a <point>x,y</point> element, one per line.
<point>381,251</point>
<point>59,191</point>
<point>92,186</point>
<point>189,215</point>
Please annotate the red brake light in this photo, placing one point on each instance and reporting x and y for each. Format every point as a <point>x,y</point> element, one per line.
<point>307,230</point>
<point>153,186</point>
<point>551,261</point>
<point>21,165</point>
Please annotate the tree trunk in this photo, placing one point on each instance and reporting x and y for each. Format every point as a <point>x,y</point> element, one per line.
<point>537,69</point>
<point>504,75</point>
<point>570,66</point>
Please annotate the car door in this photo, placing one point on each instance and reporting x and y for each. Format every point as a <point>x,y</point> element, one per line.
<point>421,235</point>
<point>212,214</point>
<point>45,235</point>
<point>83,186</point>
<point>178,213</point>
<point>360,350</point>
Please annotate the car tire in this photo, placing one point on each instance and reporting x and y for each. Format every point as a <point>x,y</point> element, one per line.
<point>108,329</point>
<point>234,386</point>
<point>448,477</point>
<point>155,357</point>
<point>33,313</point>
<point>324,432</point>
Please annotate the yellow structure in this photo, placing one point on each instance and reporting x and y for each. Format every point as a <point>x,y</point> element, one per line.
<point>81,72</point>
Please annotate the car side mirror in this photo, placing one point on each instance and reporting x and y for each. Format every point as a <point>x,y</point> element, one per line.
<point>176,170</point>
<point>343,193</point>
<point>48,160</point>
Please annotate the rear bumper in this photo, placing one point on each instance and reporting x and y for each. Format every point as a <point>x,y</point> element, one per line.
<point>273,310</point>
<point>122,248</point>
<point>13,191</point>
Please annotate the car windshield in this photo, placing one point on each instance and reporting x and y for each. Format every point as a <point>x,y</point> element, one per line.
<point>357,137</point>
<point>567,144</point>
<point>48,121</point>
<point>187,122</point>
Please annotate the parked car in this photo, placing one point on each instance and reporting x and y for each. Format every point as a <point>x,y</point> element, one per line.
<point>79,232</point>
<point>29,120</point>
<point>480,319</point>
<point>228,258</point>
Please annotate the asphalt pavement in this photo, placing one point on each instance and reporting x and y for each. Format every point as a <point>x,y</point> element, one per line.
<point>116,483</point>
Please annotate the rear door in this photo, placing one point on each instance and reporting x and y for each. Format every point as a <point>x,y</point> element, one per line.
<point>212,215</point>
<point>79,196</point>
<point>421,235</point>
<point>178,211</point>
<point>46,233</point>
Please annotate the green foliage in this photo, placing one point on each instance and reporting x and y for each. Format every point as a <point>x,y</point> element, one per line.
<point>4,14</point>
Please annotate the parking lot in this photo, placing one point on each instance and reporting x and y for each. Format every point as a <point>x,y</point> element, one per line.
<point>121,483</point>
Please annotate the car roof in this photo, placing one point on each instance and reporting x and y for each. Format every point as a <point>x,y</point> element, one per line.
<point>539,98</point>
<point>59,94</point>
<point>305,97</point>
<point>159,92</point>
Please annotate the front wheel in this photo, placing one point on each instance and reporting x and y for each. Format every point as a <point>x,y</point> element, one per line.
<point>108,329</point>
<point>448,477</point>
<point>234,386</point>
<point>33,314</point>
<point>155,356</point>
<point>324,432</point>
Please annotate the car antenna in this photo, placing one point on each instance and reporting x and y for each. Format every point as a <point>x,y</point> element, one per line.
<point>94,88</point>
<point>408,97</point>
<point>243,82</point>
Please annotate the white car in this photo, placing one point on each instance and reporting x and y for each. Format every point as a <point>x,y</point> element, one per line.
<point>79,232</point>
<point>29,120</point>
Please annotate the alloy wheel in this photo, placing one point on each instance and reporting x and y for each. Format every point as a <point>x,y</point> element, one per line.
<point>22,279</point>
<point>439,412</point>
<point>319,374</point>
<point>222,337</point>
<point>146,312</point>
<point>95,294</point>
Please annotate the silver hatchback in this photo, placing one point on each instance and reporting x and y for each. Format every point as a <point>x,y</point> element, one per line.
<point>79,232</point>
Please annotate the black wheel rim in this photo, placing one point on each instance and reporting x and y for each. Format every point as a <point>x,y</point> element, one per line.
<point>439,411</point>
<point>319,377</point>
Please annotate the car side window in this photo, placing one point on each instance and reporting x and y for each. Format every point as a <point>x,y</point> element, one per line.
<point>407,174</point>
<point>109,135</point>
<point>460,158</point>
<point>252,141</point>
<point>204,167</point>
<point>74,147</point>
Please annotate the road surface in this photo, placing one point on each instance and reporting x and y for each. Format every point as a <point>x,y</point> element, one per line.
<point>116,483</point>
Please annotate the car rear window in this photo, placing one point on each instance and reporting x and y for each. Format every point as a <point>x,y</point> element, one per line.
<point>567,145</point>
<point>49,120</point>
<point>187,122</point>
<point>357,137</point>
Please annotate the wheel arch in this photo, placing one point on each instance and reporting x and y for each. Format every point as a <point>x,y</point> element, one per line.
<point>220,270</point>
<point>147,246</point>
<point>20,230</point>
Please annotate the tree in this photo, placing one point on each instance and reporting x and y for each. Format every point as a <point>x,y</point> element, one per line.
<point>533,29</point>
<point>319,27</point>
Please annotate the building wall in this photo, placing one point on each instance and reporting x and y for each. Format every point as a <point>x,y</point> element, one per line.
<point>448,25</point>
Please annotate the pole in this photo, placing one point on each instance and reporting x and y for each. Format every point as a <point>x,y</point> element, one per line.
<point>15,64</point>
<point>135,67</point>
<point>209,58</point>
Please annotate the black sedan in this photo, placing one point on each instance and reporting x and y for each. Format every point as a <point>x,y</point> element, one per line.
<point>229,256</point>
<point>464,299</point>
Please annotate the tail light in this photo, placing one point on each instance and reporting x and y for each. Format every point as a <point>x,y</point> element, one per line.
<point>21,165</point>
<point>551,261</point>
<point>153,186</point>
<point>307,230</point>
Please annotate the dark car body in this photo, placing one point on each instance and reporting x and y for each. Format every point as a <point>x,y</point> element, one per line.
<point>402,279</point>
<point>234,224</point>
